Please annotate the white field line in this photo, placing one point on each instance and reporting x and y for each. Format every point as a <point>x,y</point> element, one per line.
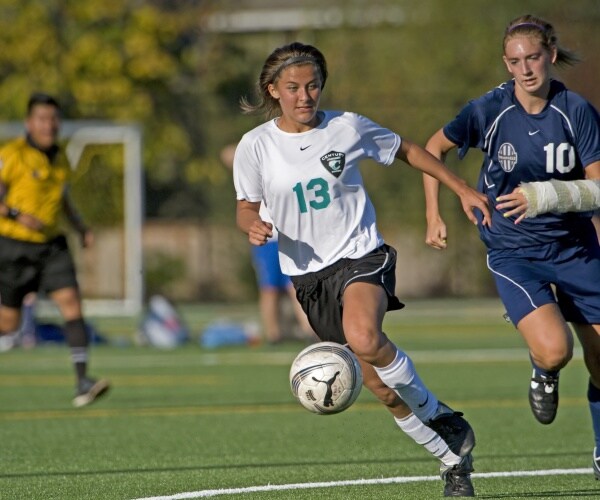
<point>360,482</point>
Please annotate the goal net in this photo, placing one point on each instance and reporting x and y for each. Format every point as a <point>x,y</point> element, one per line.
<point>110,273</point>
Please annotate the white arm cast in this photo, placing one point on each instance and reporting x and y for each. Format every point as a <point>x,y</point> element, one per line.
<point>561,196</point>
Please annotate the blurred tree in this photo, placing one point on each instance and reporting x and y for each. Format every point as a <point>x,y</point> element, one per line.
<point>154,62</point>
<point>141,61</point>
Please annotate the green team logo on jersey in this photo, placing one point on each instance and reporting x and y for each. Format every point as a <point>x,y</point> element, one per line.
<point>334,162</point>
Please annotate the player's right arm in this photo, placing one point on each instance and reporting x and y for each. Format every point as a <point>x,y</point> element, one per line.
<point>436,236</point>
<point>249,221</point>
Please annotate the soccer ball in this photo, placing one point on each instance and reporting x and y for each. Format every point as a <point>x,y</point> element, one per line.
<point>326,378</point>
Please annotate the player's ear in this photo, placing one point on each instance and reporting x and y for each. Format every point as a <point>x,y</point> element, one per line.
<point>273,91</point>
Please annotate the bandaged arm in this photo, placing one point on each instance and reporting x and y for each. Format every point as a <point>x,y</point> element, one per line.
<point>561,196</point>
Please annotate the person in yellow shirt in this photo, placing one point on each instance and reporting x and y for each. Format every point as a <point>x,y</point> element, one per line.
<point>34,255</point>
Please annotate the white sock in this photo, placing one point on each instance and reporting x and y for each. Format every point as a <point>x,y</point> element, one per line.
<point>427,437</point>
<point>79,355</point>
<point>401,376</point>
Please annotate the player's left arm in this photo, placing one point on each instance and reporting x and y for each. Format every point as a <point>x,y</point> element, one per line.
<point>75,219</point>
<point>534,198</point>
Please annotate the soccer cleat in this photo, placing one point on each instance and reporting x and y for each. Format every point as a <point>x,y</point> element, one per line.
<point>453,429</point>
<point>88,390</point>
<point>458,478</point>
<point>596,464</point>
<point>543,398</point>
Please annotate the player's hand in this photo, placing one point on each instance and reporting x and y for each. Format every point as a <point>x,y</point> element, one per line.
<point>260,232</point>
<point>514,203</point>
<point>30,221</point>
<point>436,235</point>
<point>472,199</point>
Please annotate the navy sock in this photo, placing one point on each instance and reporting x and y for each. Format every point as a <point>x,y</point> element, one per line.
<point>594,400</point>
<point>77,340</point>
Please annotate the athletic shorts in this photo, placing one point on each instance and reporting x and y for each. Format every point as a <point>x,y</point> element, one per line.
<point>320,293</point>
<point>31,267</point>
<point>265,259</point>
<point>567,274</point>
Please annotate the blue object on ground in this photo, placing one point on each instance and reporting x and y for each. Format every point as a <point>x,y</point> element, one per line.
<point>223,333</point>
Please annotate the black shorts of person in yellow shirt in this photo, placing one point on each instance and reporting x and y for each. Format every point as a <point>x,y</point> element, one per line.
<point>34,267</point>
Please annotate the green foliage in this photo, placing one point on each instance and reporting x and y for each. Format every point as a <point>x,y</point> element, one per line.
<point>153,62</point>
<point>98,185</point>
<point>115,60</point>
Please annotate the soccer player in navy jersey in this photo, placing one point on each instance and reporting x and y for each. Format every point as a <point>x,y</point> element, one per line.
<point>303,164</point>
<point>541,171</point>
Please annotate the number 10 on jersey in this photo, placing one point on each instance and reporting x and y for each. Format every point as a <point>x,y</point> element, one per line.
<point>559,158</point>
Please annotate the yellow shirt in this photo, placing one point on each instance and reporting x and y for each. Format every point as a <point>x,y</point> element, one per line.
<point>34,186</point>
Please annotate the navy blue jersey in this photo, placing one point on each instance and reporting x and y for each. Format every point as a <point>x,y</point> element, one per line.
<point>557,143</point>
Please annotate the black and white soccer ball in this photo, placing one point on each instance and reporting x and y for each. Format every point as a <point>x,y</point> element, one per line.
<point>326,378</point>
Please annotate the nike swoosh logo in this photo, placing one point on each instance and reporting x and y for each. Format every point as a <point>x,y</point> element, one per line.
<point>305,147</point>
<point>534,132</point>
<point>421,406</point>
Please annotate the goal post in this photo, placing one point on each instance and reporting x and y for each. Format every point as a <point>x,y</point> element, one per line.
<point>79,134</point>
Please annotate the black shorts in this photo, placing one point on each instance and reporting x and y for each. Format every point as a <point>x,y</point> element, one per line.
<point>320,293</point>
<point>31,267</point>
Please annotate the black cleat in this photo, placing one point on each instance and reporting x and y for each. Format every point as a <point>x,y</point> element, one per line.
<point>596,464</point>
<point>453,429</point>
<point>458,478</point>
<point>543,398</point>
<point>88,390</point>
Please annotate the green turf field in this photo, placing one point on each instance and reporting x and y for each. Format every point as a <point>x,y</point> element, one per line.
<point>195,420</point>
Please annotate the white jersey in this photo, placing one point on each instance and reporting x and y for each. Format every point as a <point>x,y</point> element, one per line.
<point>312,187</point>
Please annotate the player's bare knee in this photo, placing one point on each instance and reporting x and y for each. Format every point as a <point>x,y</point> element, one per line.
<point>366,347</point>
<point>554,358</point>
<point>562,357</point>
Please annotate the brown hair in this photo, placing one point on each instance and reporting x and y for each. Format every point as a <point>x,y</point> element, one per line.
<point>38,98</point>
<point>293,54</point>
<point>534,26</point>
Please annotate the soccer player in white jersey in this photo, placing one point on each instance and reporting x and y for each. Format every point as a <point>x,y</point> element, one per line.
<point>541,171</point>
<point>303,164</point>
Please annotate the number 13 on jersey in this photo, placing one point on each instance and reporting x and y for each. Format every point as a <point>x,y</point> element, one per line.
<point>317,190</point>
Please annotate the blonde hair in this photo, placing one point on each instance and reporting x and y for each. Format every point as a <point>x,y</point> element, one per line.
<point>283,57</point>
<point>530,25</point>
